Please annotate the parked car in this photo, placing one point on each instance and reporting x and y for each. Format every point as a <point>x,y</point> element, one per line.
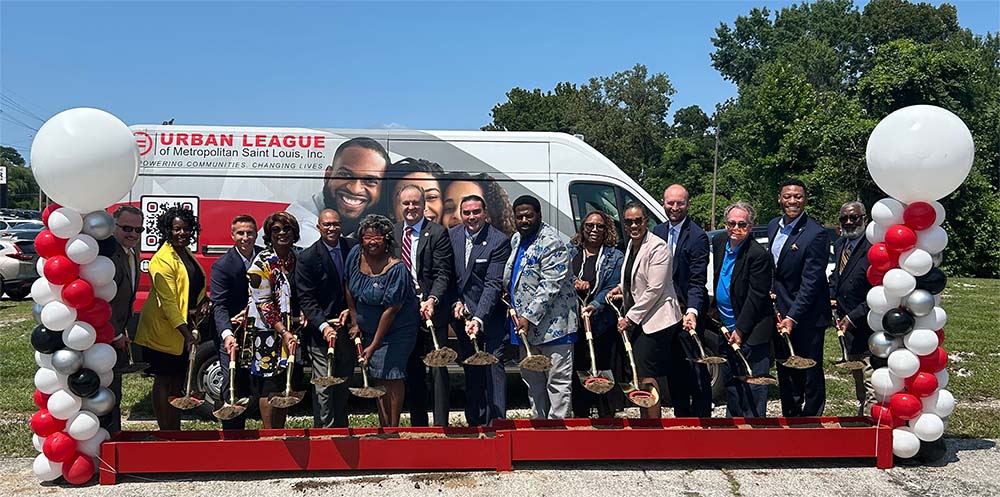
<point>21,234</point>
<point>17,268</point>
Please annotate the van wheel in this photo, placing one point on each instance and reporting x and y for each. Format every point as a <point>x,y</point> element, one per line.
<point>19,293</point>
<point>207,378</point>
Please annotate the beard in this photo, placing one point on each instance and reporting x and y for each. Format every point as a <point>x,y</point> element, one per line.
<point>854,233</point>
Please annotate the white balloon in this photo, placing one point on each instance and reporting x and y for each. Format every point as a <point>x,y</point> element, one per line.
<point>48,381</point>
<point>101,357</point>
<point>903,363</point>
<point>80,336</point>
<point>40,266</point>
<point>106,292</point>
<point>106,378</point>
<point>921,152</point>
<point>879,302</point>
<point>98,273</point>
<point>943,378</point>
<point>886,383</point>
<point>92,445</point>
<point>84,158</point>
<point>37,441</point>
<point>82,249</point>
<point>63,404</point>
<point>82,425</point>
<point>916,261</point>
<point>64,222</point>
<point>43,360</point>
<point>887,212</point>
<point>933,321</point>
<point>927,427</point>
<point>45,469</point>
<point>941,403</point>
<point>57,315</point>
<point>921,341</point>
<point>932,240</point>
<point>875,232</point>
<point>905,443</point>
<point>939,214</point>
<point>875,321</point>
<point>43,292</point>
<point>898,283</point>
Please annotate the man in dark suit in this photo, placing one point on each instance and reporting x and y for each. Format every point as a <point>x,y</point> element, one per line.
<point>849,288</point>
<point>425,248</point>
<point>743,272</point>
<point>689,383</point>
<point>800,248</point>
<point>481,251</point>
<point>128,228</point>
<point>230,292</point>
<point>320,281</point>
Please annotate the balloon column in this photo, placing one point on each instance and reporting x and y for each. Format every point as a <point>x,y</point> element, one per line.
<point>918,155</point>
<point>84,159</point>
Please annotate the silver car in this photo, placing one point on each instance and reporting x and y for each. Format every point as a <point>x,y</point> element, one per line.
<point>17,268</point>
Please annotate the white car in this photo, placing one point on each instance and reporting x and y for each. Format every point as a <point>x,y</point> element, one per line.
<point>17,268</point>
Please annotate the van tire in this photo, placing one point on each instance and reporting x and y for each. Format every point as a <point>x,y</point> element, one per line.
<point>206,367</point>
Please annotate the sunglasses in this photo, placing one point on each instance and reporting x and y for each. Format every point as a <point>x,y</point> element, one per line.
<point>737,224</point>
<point>854,218</point>
<point>281,229</point>
<point>132,229</point>
<point>594,227</point>
<point>634,222</point>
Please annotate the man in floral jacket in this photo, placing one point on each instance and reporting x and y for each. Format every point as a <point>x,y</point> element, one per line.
<point>539,281</point>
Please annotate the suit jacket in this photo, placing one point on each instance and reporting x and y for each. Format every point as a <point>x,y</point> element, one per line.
<point>230,289</point>
<point>850,289</point>
<point>749,288</point>
<point>434,266</point>
<point>479,283</point>
<point>543,290</point>
<point>167,306</point>
<point>655,306</point>
<point>121,305</point>
<point>609,275</point>
<point>320,287</point>
<point>690,264</point>
<point>800,274</point>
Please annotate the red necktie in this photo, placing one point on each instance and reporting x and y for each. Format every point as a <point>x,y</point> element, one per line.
<point>406,247</point>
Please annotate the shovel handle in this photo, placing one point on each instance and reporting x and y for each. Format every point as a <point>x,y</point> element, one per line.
<point>357,345</point>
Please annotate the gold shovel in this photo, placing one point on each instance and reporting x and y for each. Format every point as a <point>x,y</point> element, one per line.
<point>599,382</point>
<point>365,392</point>
<point>843,363</point>
<point>288,398</point>
<point>329,380</point>
<point>479,358</point>
<point>638,396</point>
<point>190,400</point>
<point>793,361</point>
<point>132,367</point>
<point>231,410</point>
<point>703,358</point>
<point>440,356</point>
<point>749,378</point>
<point>531,362</point>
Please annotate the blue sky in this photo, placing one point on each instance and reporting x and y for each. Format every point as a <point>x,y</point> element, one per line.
<point>352,65</point>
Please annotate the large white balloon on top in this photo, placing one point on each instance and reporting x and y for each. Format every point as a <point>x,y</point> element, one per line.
<point>85,159</point>
<point>921,152</point>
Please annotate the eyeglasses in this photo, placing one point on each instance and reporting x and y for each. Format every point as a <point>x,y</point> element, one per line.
<point>854,218</point>
<point>330,224</point>
<point>594,227</point>
<point>279,228</point>
<point>373,238</point>
<point>132,229</point>
<point>737,224</point>
<point>634,222</point>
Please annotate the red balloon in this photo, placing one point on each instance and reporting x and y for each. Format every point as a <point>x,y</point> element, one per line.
<point>919,215</point>
<point>940,335</point>
<point>41,399</point>
<point>59,270</point>
<point>78,294</point>
<point>934,362</point>
<point>44,424</point>
<point>105,333</point>
<point>48,210</point>
<point>880,258</point>
<point>905,406</point>
<point>79,469</point>
<point>921,384</point>
<point>59,447</point>
<point>875,276</point>
<point>900,238</point>
<point>97,313</point>
<point>883,415</point>
<point>48,244</point>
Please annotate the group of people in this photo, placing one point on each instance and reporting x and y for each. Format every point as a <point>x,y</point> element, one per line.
<point>391,284</point>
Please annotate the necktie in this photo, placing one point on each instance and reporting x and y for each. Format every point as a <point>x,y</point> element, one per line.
<point>406,247</point>
<point>673,238</point>
<point>844,257</point>
<point>468,248</point>
<point>338,261</point>
<point>131,268</point>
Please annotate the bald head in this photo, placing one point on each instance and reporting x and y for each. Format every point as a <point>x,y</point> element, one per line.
<point>675,202</point>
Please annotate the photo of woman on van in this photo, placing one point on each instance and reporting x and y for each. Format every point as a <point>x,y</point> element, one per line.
<point>420,172</point>
<point>458,184</point>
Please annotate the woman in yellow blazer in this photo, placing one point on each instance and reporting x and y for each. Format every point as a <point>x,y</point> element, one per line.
<point>178,287</point>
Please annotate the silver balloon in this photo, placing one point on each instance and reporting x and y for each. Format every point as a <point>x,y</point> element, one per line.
<point>881,344</point>
<point>99,224</point>
<point>937,258</point>
<point>920,303</point>
<point>67,361</point>
<point>36,312</point>
<point>100,403</point>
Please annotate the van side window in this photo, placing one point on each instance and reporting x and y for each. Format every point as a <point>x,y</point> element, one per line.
<point>589,197</point>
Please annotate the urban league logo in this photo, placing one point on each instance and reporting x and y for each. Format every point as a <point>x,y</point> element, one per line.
<point>144,141</point>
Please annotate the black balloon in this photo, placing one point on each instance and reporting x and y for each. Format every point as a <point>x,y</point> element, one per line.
<point>897,322</point>
<point>106,247</point>
<point>84,382</point>
<point>878,362</point>
<point>46,341</point>
<point>934,281</point>
<point>931,452</point>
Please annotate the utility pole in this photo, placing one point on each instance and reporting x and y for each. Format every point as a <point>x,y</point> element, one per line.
<point>715,165</point>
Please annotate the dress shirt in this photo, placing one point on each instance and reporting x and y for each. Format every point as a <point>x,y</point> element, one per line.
<point>782,235</point>
<point>723,299</point>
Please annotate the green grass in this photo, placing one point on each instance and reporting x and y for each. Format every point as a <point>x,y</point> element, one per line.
<point>973,307</point>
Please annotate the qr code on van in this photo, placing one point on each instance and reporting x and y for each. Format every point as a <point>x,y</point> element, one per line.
<point>152,207</point>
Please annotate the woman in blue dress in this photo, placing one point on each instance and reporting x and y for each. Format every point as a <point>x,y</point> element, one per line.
<point>385,312</point>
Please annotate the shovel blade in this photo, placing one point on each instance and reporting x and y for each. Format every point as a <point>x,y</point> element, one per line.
<point>799,362</point>
<point>286,401</point>
<point>643,398</point>
<point>188,403</point>
<point>481,359</point>
<point>708,359</point>
<point>368,393</point>
<point>599,384</point>
<point>328,381</point>
<point>539,363</point>
<point>228,411</point>
<point>850,365</point>
<point>440,358</point>
<point>761,380</point>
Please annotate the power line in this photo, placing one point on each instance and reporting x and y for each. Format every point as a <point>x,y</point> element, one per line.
<point>38,108</point>
<point>11,103</point>
<point>13,120</point>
